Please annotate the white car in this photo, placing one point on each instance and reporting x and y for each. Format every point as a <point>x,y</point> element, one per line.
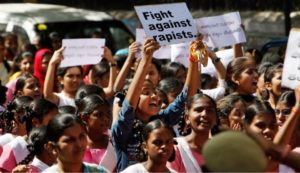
<point>27,20</point>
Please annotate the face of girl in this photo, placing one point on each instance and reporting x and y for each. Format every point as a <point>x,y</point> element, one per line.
<point>31,88</point>
<point>103,81</point>
<point>153,74</point>
<point>276,83</point>
<point>247,80</point>
<point>282,111</point>
<point>45,62</point>
<point>71,80</point>
<point>202,115</point>
<point>71,146</point>
<point>236,115</point>
<point>26,65</point>
<point>149,103</point>
<point>265,124</point>
<point>98,122</point>
<point>159,145</point>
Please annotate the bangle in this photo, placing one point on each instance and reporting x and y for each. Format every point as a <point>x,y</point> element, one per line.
<point>193,59</point>
<point>216,60</point>
<point>296,111</point>
<point>112,64</point>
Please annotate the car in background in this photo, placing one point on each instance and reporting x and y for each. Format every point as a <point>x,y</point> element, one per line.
<point>28,20</point>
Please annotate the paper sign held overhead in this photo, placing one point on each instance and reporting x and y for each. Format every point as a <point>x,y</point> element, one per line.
<point>221,31</point>
<point>82,51</point>
<point>167,23</point>
<point>291,66</point>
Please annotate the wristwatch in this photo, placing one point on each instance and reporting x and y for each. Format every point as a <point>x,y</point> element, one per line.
<point>216,60</point>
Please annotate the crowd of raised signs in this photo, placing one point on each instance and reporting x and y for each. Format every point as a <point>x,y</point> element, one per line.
<point>142,114</point>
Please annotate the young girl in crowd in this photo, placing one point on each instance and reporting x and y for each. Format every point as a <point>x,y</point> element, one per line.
<point>23,64</point>
<point>40,156</point>
<point>231,112</point>
<point>158,145</point>
<point>174,69</point>
<point>142,103</point>
<point>41,61</point>
<point>37,114</point>
<point>28,85</point>
<point>94,111</point>
<point>68,138</point>
<point>10,120</point>
<point>284,106</point>
<point>200,118</point>
<point>104,74</point>
<point>261,119</point>
<point>261,91</point>
<point>272,79</point>
<point>241,78</point>
<point>69,78</point>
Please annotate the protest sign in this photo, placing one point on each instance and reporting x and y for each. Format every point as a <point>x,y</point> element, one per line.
<point>82,51</point>
<point>221,31</point>
<point>167,23</point>
<point>164,52</point>
<point>291,67</point>
<point>180,54</point>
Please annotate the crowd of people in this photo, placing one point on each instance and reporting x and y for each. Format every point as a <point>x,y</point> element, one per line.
<point>129,114</point>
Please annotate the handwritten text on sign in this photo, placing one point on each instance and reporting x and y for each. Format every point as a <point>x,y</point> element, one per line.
<point>167,23</point>
<point>221,31</point>
<point>82,51</point>
<point>291,66</point>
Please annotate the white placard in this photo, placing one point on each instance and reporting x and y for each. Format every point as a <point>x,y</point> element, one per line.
<point>164,52</point>
<point>291,67</point>
<point>180,54</point>
<point>221,31</point>
<point>167,23</point>
<point>82,51</point>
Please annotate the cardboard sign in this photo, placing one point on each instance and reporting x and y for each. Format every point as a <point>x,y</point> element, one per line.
<point>221,31</point>
<point>167,23</point>
<point>291,66</point>
<point>82,51</point>
<point>164,52</point>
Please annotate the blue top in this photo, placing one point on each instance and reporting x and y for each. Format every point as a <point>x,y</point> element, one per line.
<point>126,148</point>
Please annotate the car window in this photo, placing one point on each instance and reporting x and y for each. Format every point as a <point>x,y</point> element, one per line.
<point>116,34</point>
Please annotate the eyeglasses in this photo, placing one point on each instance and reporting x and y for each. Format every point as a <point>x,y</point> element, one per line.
<point>284,112</point>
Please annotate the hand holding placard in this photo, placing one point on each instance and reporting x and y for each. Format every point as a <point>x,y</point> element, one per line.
<point>82,51</point>
<point>167,23</point>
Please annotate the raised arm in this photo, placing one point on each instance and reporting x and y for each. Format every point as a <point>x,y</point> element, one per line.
<point>192,79</point>
<point>50,76</point>
<point>135,88</point>
<point>109,92</point>
<point>218,64</point>
<point>121,78</point>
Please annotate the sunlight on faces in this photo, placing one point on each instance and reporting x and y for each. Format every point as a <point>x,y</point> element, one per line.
<point>31,88</point>
<point>237,114</point>
<point>202,115</point>
<point>149,103</point>
<point>98,122</point>
<point>153,74</point>
<point>159,145</point>
<point>276,83</point>
<point>71,80</point>
<point>71,146</point>
<point>282,111</point>
<point>247,80</point>
<point>26,65</point>
<point>265,124</point>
